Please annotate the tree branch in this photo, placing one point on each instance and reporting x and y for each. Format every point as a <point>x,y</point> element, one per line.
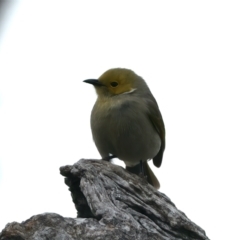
<point>111,204</point>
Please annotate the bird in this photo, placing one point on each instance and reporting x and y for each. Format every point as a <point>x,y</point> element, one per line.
<point>126,122</point>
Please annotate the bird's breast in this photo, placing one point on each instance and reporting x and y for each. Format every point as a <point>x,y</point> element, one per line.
<point>123,128</point>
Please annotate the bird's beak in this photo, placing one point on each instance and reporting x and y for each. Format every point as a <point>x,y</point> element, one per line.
<point>94,82</point>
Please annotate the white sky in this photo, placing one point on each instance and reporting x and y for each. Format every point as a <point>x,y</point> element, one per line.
<point>189,54</point>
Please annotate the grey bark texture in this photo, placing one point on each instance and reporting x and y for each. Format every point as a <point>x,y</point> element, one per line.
<point>111,204</point>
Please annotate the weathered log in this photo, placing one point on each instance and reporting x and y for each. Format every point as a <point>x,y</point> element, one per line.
<point>111,204</point>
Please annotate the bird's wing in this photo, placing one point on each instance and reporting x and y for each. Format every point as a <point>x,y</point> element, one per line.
<point>157,121</point>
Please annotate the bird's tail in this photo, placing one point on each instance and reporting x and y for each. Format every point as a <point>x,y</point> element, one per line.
<point>151,178</point>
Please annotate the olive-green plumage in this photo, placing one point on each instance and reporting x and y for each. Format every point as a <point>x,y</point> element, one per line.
<point>126,121</point>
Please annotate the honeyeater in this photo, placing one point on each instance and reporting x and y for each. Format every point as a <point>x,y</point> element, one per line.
<point>126,122</point>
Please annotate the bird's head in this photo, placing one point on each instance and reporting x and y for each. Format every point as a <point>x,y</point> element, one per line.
<point>116,81</point>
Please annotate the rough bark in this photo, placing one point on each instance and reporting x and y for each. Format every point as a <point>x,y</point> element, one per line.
<point>111,204</point>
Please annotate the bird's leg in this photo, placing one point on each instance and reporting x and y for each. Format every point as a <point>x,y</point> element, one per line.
<point>138,170</point>
<point>142,172</point>
<point>108,158</point>
<point>141,168</point>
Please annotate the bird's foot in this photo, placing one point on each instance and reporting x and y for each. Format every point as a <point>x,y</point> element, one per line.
<point>142,175</point>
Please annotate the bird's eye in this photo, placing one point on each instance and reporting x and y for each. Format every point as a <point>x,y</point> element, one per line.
<point>114,84</point>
